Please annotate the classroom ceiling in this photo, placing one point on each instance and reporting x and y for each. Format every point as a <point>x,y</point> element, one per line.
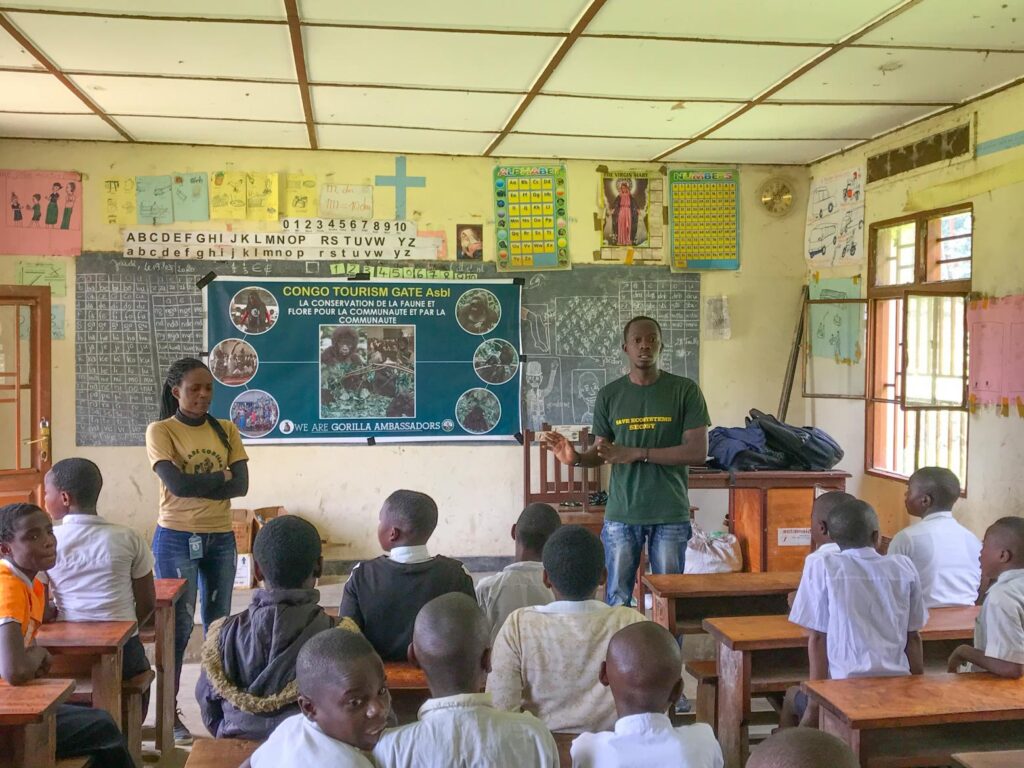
<point>732,81</point>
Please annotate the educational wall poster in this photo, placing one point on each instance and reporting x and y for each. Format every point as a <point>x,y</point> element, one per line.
<point>469,242</point>
<point>45,272</point>
<point>42,213</point>
<point>835,330</point>
<point>57,322</point>
<point>261,197</point>
<point>300,197</point>
<point>835,220</point>
<point>153,200</point>
<point>704,219</point>
<point>191,195</point>
<point>631,204</point>
<point>346,201</point>
<point>334,360</point>
<point>227,195</point>
<point>119,201</point>
<point>531,224</point>
<point>996,340</point>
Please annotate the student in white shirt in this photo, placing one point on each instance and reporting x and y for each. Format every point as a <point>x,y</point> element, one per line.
<point>864,611</point>
<point>823,544</point>
<point>104,572</point>
<point>999,634</point>
<point>344,700</point>
<point>802,748</point>
<point>520,584</point>
<point>459,725</point>
<point>944,552</point>
<point>642,669</point>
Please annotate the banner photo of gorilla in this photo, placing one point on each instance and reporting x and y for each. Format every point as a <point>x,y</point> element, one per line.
<point>367,371</point>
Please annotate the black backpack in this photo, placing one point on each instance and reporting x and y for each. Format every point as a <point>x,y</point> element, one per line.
<point>806,448</point>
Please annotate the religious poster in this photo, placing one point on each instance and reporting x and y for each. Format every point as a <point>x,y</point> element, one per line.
<point>632,230</point>
<point>469,242</point>
<point>704,217</point>
<point>834,230</point>
<point>42,213</point>
<point>531,223</point>
<point>333,360</point>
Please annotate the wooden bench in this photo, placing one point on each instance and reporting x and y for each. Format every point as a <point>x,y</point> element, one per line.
<point>133,690</point>
<point>220,753</point>
<point>160,633</point>
<point>771,685</point>
<point>28,722</point>
<point>1010,759</point>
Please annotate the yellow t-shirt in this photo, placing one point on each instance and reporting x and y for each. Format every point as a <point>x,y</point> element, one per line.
<point>21,602</point>
<point>193,450</point>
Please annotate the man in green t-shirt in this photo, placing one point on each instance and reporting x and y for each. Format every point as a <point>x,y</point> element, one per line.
<point>650,426</point>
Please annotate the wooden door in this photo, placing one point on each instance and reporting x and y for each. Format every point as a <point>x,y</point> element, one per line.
<point>24,392</point>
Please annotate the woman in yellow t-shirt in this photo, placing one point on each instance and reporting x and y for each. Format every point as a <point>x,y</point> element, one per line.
<point>201,466</point>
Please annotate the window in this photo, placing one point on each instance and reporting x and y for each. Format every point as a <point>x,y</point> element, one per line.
<point>920,269</point>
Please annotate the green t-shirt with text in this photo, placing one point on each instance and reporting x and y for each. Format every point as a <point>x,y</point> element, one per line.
<point>652,416</point>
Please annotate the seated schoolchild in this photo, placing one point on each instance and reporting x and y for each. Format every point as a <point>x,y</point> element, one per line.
<point>546,657</point>
<point>247,685</point>
<point>642,669</point>
<point>823,544</point>
<point>802,748</point>
<point>383,596</point>
<point>520,584</point>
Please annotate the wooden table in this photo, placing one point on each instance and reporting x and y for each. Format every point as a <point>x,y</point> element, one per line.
<point>921,720</point>
<point>94,647</point>
<point>771,647</point>
<point>408,686</point>
<point>28,722</point>
<point>682,601</point>
<point>1011,759</point>
<point>160,632</point>
<point>220,753</point>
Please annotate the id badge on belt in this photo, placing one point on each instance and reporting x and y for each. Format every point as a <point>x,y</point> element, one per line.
<point>195,547</point>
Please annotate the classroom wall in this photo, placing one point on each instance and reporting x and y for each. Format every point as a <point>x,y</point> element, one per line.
<point>996,444</point>
<point>478,488</point>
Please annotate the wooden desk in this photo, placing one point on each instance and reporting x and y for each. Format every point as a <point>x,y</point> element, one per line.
<point>682,601</point>
<point>94,646</point>
<point>220,753</point>
<point>408,686</point>
<point>921,720</point>
<point>767,647</point>
<point>160,632</point>
<point>28,730</point>
<point>1011,759</point>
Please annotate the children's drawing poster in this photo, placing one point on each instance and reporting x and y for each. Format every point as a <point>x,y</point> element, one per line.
<point>835,220</point>
<point>531,224</point>
<point>261,197</point>
<point>42,213</point>
<point>704,219</point>
<point>191,196</point>
<point>119,201</point>
<point>300,196</point>
<point>346,201</point>
<point>44,272</point>
<point>632,229</point>
<point>227,195</point>
<point>836,329</point>
<point>996,340</point>
<point>153,200</point>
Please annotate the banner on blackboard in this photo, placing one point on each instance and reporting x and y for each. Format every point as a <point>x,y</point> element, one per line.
<point>317,361</point>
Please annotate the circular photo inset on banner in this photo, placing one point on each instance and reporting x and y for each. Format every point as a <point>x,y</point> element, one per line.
<point>255,413</point>
<point>478,411</point>
<point>254,310</point>
<point>234,362</point>
<point>287,427</point>
<point>495,361</point>
<point>478,311</point>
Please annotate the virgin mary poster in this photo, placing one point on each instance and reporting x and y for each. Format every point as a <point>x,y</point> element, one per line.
<point>629,233</point>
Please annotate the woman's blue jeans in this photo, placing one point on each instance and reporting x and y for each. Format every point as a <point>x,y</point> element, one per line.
<point>623,543</point>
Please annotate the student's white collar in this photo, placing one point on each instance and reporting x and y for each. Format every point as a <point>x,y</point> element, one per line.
<point>1011,575</point>
<point>458,701</point>
<point>572,606</point>
<point>862,553</point>
<point>525,565</point>
<point>645,722</point>
<point>947,515</point>
<point>413,554</point>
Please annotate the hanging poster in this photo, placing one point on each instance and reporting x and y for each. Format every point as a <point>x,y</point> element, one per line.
<point>119,201</point>
<point>333,360</point>
<point>346,201</point>
<point>836,329</point>
<point>45,272</point>
<point>300,198</point>
<point>834,231</point>
<point>632,230</point>
<point>42,213</point>
<point>153,200</point>
<point>531,224</point>
<point>996,340</point>
<point>191,196</point>
<point>704,216</point>
<point>469,242</point>
<point>227,195</point>
<point>261,197</point>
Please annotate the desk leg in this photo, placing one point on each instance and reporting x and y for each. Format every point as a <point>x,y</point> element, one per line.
<point>733,704</point>
<point>29,746</point>
<point>106,684</point>
<point>164,656</point>
<point>663,611</point>
<point>829,723</point>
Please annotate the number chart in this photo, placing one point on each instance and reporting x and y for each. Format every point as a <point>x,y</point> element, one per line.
<point>704,219</point>
<point>530,217</point>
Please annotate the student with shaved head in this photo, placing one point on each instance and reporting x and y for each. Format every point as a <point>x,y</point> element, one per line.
<point>999,633</point>
<point>642,669</point>
<point>459,725</point>
<point>802,748</point>
<point>943,551</point>
<point>384,595</point>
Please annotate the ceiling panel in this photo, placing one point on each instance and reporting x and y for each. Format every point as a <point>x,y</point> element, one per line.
<point>398,57</point>
<point>178,130</point>
<point>162,47</point>
<point>251,9</point>
<point>957,24</point>
<point>402,140</point>
<point>819,121</point>
<point>521,145</point>
<point>538,15</point>
<point>790,21</point>
<point>615,117</point>
<point>668,69</point>
<point>37,92</point>
<point>770,152</point>
<point>13,55</point>
<point>56,127</point>
<point>886,74</point>
<point>430,109</point>
<point>193,98</point>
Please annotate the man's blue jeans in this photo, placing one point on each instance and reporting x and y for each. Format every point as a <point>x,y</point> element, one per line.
<point>666,549</point>
<point>212,577</point>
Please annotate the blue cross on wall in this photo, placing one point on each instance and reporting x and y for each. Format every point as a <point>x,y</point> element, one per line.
<point>401,183</point>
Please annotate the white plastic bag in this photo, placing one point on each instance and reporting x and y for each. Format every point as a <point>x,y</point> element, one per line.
<point>717,552</point>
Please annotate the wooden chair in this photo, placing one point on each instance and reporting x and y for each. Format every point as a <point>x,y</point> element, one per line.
<point>567,489</point>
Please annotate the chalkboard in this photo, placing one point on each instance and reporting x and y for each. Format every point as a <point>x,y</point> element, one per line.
<point>134,317</point>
